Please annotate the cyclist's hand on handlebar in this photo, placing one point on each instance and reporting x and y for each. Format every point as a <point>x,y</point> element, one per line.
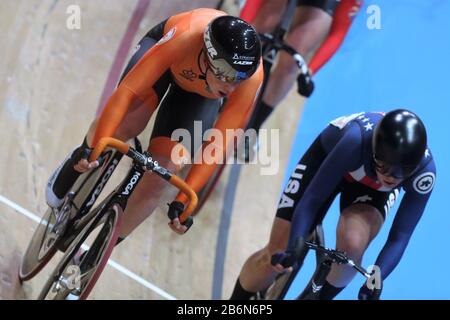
<point>84,165</point>
<point>80,159</point>
<point>370,292</point>
<point>305,85</point>
<point>283,261</point>
<point>177,227</point>
<point>175,210</point>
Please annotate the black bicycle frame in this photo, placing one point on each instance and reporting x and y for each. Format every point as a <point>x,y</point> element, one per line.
<point>220,4</point>
<point>123,192</point>
<point>86,196</point>
<point>275,40</point>
<point>312,290</point>
<point>286,20</point>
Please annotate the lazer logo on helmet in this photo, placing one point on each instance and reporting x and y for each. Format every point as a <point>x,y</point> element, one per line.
<point>243,63</point>
<point>131,184</point>
<point>209,46</point>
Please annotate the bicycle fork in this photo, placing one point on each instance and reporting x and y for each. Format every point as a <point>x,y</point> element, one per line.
<point>312,291</point>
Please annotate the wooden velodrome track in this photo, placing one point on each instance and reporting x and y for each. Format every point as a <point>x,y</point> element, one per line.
<point>52,80</point>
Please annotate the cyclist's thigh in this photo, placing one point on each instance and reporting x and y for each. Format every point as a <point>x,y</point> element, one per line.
<point>269,15</point>
<point>372,205</point>
<point>310,25</point>
<point>190,112</point>
<point>328,6</point>
<point>358,193</point>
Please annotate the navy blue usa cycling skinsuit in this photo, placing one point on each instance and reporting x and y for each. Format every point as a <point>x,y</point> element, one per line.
<point>340,160</point>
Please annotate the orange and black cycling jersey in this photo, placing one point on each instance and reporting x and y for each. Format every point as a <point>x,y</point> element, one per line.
<point>180,52</point>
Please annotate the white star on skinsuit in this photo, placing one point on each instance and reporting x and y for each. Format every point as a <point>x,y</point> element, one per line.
<point>369,126</point>
<point>365,120</point>
<point>427,153</point>
<point>364,198</point>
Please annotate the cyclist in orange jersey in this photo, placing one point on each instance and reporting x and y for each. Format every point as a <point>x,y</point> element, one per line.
<point>183,68</point>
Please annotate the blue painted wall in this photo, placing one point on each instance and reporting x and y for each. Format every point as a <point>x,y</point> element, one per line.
<point>405,64</point>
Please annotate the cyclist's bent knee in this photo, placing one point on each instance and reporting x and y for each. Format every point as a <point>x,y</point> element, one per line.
<point>354,245</point>
<point>357,225</point>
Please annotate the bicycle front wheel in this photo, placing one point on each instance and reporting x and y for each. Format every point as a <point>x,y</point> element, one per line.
<point>43,243</point>
<point>78,271</point>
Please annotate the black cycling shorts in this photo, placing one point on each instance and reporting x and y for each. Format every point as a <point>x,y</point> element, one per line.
<point>329,6</point>
<point>351,192</point>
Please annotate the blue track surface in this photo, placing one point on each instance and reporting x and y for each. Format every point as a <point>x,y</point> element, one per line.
<point>405,64</point>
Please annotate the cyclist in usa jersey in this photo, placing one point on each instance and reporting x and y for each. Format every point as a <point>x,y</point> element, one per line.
<point>367,158</point>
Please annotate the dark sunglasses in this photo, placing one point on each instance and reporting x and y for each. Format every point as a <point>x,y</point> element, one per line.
<point>397,172</point>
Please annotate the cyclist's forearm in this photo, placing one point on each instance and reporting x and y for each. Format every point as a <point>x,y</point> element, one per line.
<point>197,179</point>
<point>302,220</point>
<point>391,255</point>
<point>407,218</point>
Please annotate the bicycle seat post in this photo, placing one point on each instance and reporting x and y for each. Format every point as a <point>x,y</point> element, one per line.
<point>275,39</point>
<point>286,18</point>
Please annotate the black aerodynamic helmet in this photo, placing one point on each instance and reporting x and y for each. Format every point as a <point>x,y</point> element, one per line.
<point>399,143</point>
<point>233,48</point>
